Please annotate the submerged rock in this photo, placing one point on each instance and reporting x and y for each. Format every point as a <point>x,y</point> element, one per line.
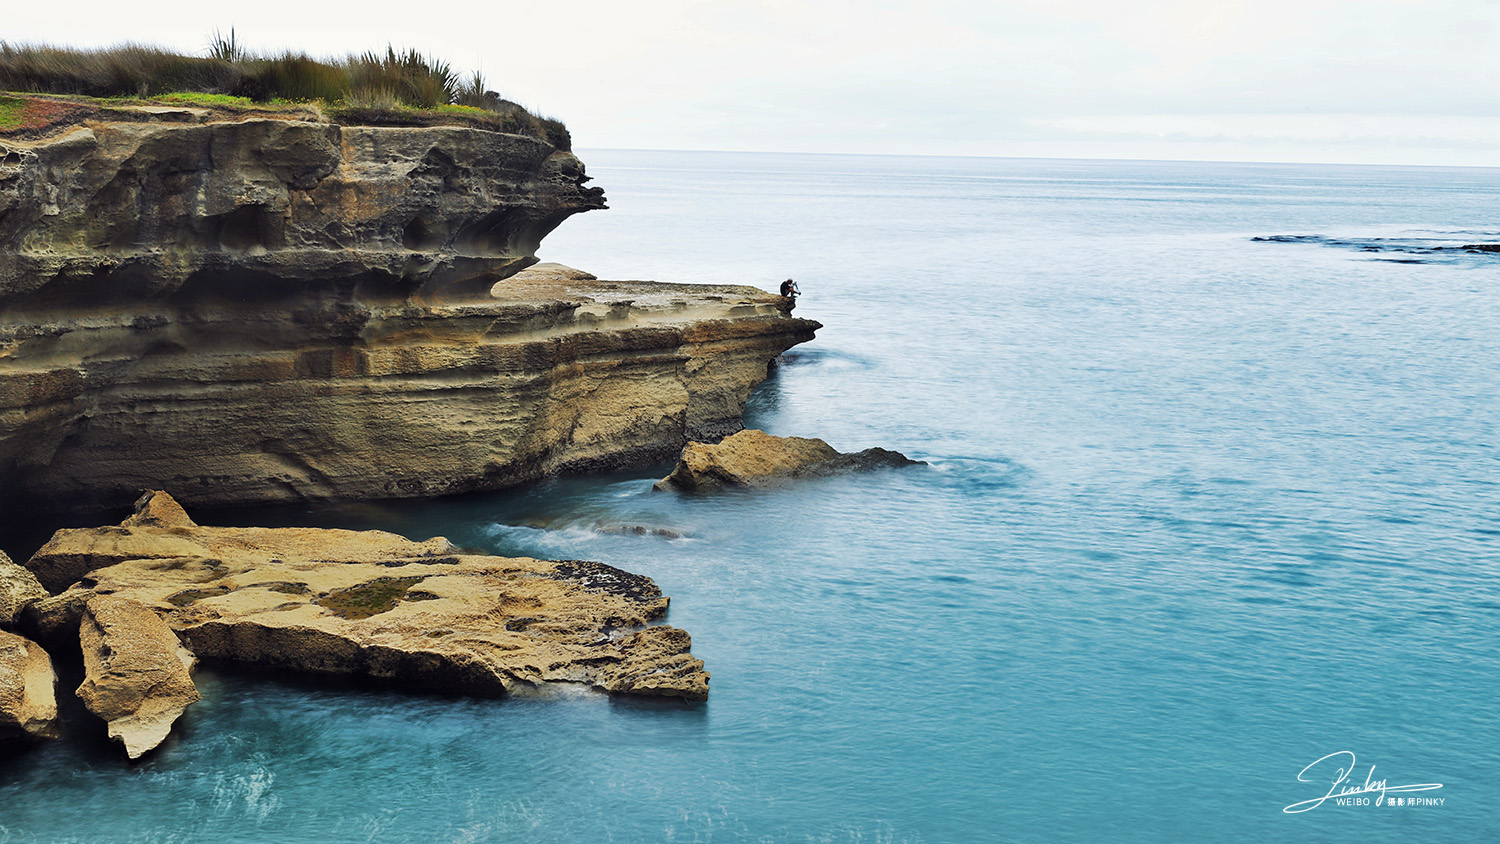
<point>18,588</point>
<point>136,673</point>
<point>373,604</point>
<point>28,700</point>
<point>754,458</point>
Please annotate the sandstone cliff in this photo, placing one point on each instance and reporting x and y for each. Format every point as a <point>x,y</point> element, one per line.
<point>251,213</point>
<point>277,310</point>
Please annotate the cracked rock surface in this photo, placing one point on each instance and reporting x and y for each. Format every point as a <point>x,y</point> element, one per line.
<point>137,675</point>
<point>28,700</point>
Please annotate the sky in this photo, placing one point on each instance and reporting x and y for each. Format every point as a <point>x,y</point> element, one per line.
<point>1374,81</point>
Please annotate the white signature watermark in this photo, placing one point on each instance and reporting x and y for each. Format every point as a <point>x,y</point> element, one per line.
<point>1337,769</point>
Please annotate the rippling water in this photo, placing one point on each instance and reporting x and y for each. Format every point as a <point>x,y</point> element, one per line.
<point>1201,510</point>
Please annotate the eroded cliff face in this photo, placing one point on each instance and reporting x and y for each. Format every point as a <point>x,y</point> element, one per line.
<point>255,212</point>
<point>271,310</point>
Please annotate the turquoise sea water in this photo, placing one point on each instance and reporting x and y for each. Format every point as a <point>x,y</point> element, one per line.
<point>1202,509</point>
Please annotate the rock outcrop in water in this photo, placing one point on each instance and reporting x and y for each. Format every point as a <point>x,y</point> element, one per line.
<point>754,458</point>
<point>373,604</point>
<point>137,675</point>
<point>274,310</point>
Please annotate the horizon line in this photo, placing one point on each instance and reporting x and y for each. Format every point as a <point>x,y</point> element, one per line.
<point>1495,166</point>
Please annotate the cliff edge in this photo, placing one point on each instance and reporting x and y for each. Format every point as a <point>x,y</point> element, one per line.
<point>261,310</point>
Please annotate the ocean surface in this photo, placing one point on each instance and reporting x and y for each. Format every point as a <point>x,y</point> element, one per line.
<point>1213,494</point>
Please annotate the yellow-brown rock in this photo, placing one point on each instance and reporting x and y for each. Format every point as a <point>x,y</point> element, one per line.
<point>261,311</point>
<point>18,588</point>
<point>373,604</point>
<point>71,554</point>
<point>155,508</point>
<point>137,675</point>
<point>754,458</point>
<point>140,206</point>
<point>28,701</point>
<point>550,271</point>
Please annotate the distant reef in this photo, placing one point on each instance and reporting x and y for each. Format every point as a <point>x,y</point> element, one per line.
<point>250,308</point>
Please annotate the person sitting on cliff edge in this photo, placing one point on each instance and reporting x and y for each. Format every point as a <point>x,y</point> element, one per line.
<point>789,294</point>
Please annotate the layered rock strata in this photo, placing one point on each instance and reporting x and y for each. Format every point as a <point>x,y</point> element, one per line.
<point>137,675</point>
<point>373,604</point>
<point>272,310</point>
<point>28,702</point>
<point>756,459</point>
<point>250,213</point>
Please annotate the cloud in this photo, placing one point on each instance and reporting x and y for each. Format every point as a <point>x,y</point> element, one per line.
<point>1474,132</point>
<point>1000,77</point>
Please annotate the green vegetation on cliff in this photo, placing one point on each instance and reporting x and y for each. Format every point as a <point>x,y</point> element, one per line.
<point>384,89</point>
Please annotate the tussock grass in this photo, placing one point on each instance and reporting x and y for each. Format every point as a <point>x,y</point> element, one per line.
<point>125,70</point>
<point>398,88</point>
<point>196,99</point>
<point>409,77</point>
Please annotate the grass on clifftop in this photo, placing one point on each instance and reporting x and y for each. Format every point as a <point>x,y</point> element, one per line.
<point>10,112</point>
<point>21,113</point>
<point>383,89</point>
